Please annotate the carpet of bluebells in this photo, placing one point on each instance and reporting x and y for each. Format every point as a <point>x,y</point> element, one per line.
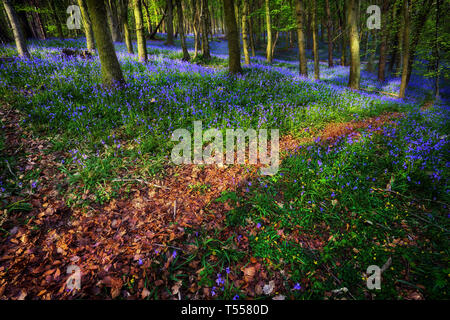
<point>363,198</point>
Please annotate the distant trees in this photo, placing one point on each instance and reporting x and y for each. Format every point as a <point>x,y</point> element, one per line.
<point>408,30</point>
<point>110,67</point>
<point>17,29</point>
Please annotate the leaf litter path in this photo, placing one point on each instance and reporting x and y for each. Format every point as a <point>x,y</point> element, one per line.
<point>119,242</point>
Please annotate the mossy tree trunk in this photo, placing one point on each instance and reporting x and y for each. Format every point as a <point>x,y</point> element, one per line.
<point>245,31</point>
<point>112,20</point>
<point>110,67</point>
<point>87,24</point>
<point>186,56</point>
<point>141,43</point>
<point>355,63</point>
<point>234,53</point>
<point>299,13</point>
<point>19,38</point>
<point>315,40</point>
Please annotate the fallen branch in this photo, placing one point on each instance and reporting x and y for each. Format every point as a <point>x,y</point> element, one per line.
<point>141,181</point>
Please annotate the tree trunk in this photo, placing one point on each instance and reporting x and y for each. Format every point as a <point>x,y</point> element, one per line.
<point>169,23</point>
<point>21,43</point>
<point>299,13</point>
<point>269,33</point>
<point>59,30</point>
<point>141,43</point>
<point>355,66</point>
<point>123,9</point>
<point>186,56</point>
<point>196,27</point>
<point>383,45</point>
<point>204,25</point>
<point>112,21</point>
<point>329,35</point>
<point>110,67</point>
<point>234,53</point>
<point>405,56</point>
<point>245,32</point>
<point>436,52</point>
<point>315,41</point>
<point>90,45</point>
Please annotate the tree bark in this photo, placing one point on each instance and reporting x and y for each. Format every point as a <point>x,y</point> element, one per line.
<point>87,24</point>
<point>406,52</point>
<point>186,56</point>
<point>110,67</point>
<point>269,33</point>
<point>169,23</point>
<point>355,64</point>
<point>383,44</point>
<point>141,43</point>
<point>245,32</point>
<point>329,35</point>
<point>315,41</point>
<point>234,53</point>
<point>59,30</point>
<point>123,9</point>
<point>204,26</point>
<point>303,62</point>
<point>19,38</point>
<point>112,21</point>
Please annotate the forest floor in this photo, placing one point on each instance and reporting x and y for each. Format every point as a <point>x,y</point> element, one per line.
<point>364,186</point>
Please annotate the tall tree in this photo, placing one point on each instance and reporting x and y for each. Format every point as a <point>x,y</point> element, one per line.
<point>245,31</point>
<point>87,24</point>
<point>406,52</point>
<point>123,13</point>
<point>234,53</point>
<point>110,67</point>
<point>19,38</point>
<point>55,15</point>
<point>169,23</point>
<point>355,63</point>
<point>315,40</point>
<point>384,38</point>
<point>299,13</point>
<point>186,56</point>
<point>269,33</point>
<point>204,26</point>
<point>329,33</point>
<point>196,26</point>
<point>112,19</point>
<point>141,43</point>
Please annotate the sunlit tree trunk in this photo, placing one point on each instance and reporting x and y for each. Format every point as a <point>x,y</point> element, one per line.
<point>405,56</point>
<point>329,35</point>
<point>269,33</point>
<point>87,24</point>
<point>141,43</point>
<point>355,64</point>
<point>186,56</point>
<point>110,67</point>
<point>245,31</point>
<point>21,43</point>
<point>234,53</point>
<point>299,13</point>
<point>315,41</point>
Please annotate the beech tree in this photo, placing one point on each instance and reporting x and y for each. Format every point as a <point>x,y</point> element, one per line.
<point>355,63</point>
<point>19,38</point>
<point>140,32</point>
<point>234,53</point>
<point>110,67</point>
<point>87,24</point>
